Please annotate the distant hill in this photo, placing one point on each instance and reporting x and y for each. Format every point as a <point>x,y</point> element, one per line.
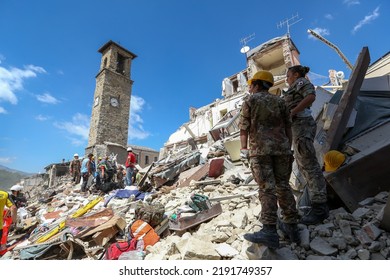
<point>9,177</point>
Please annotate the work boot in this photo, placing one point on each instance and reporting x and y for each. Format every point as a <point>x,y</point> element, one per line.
<point>290,231</point>
<point>266,236</point>
<point>317,214</point>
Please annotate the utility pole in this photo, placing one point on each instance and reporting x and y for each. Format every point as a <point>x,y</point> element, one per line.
<point>333,46</point>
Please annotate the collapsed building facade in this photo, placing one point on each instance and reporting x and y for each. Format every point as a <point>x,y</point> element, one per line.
<point>201,159</point>
<point>218,121</point>
<point>360,132</point>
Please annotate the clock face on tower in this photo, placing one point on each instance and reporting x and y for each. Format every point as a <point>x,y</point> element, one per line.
<point>114,102</point>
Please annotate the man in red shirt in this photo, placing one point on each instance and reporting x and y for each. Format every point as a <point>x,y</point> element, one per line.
<point>130,164</point>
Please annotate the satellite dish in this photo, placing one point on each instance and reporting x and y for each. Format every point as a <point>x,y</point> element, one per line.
<point>340,75</point>
<point>244,49</point>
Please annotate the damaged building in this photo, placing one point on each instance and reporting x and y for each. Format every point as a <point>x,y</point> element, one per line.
<point>202,199</point>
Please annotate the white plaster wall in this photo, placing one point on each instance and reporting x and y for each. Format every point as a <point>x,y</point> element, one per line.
<point>205,120</point>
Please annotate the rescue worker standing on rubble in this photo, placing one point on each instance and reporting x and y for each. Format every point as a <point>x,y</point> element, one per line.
<point>264,119</point>
<point>17,196</point>
<point>75,168</point>
<point>130,164</point>
<point>299,97</point>
<point>101,171</point>
<point>87,170</point>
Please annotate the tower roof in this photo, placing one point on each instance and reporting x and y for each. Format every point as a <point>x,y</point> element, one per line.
<point>109,43</point>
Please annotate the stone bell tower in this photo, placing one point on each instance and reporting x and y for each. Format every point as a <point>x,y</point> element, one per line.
<point>111,104</point>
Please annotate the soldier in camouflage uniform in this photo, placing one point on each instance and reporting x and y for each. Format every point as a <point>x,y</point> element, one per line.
<point>298,98</point>
<point>75,169</point>
<point>264,119</point>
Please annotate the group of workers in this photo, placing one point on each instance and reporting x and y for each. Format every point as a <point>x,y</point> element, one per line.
<point>280,129</point>
<point>103,170</point>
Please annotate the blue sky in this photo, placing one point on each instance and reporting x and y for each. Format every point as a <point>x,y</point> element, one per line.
<point>49,60</point>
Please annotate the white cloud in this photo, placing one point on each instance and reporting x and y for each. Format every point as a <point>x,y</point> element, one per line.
<point>329,16</point>
<point>77,141</point>
<point>47,98</point>
<point>2,111</point>
<point>319,31</point>
<point>11,81</point>
<point>42,118</point>
<point>79,127</point>
<point>351,2</point>
<point>367,19</point>
<point>136,130</point>
<point>5,160</point>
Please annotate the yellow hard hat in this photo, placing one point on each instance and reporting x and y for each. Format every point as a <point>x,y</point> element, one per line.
<point>263,76</point>
<point>333,160</point>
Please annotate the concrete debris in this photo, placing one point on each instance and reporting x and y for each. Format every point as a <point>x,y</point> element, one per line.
<point>343,235</point>
<point>61,222</point>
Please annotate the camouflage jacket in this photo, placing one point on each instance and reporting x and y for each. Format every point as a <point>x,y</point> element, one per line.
<point>266,118</point>
<point>75,165</point>
<point>296,93</point>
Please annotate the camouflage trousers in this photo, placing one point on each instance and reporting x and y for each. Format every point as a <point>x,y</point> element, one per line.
<point>272,174</point>
<point>76,176</point>
<point>303,133</point>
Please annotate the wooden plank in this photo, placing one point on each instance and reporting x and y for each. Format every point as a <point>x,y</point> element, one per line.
<point>162,226</point>
<point>197,173</point>
<point>229,197</point>
<point>143,179</point>
<point>92,220</point>
<point>339,122</point>
<point>208,182</point>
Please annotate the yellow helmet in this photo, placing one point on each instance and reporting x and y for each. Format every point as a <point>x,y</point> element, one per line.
<point>333,160</point>
<point>263,76</point>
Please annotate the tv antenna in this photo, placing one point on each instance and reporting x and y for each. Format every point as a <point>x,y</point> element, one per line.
<point>244,42</point>
<point>289,22</point>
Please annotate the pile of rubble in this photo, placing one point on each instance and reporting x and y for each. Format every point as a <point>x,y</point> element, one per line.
<point>342,236</point>
<point>63,223</point>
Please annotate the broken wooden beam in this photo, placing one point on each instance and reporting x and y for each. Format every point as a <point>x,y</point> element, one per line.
<point>343,111</point>
<point>228,197</point>
<point>207,182</point>
<point>162,226</point>
<point>143,179</point>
